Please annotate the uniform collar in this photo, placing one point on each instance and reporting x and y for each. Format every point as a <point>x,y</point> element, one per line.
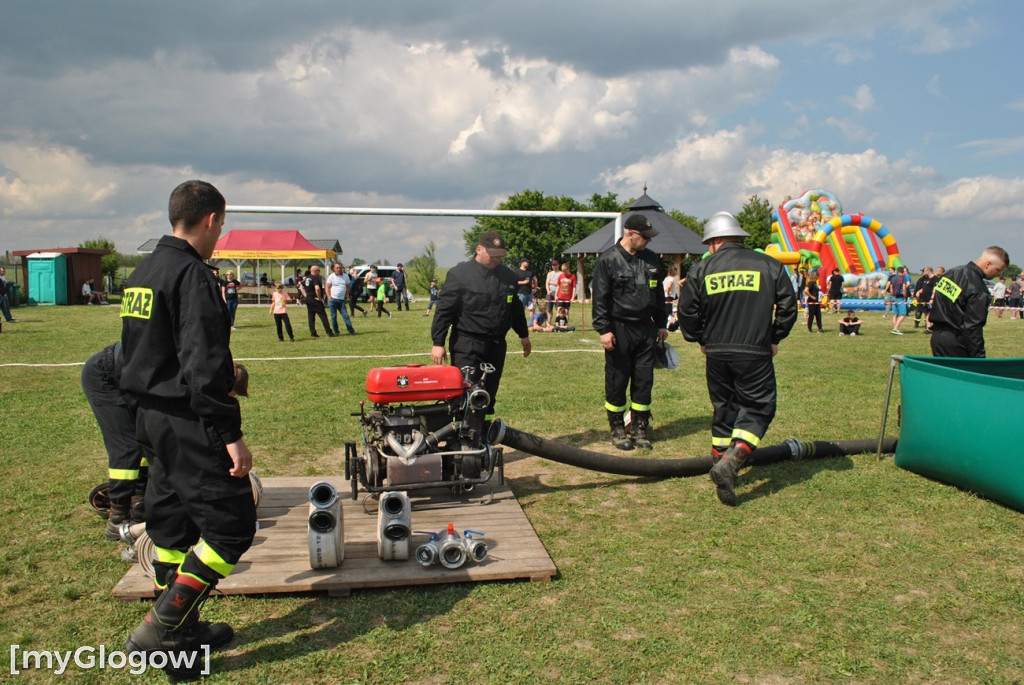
<point>179,244</point>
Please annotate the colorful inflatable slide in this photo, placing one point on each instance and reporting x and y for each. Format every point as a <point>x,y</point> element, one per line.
<point>812,232</point>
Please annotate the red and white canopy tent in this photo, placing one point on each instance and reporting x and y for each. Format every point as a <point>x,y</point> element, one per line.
<point>279,246</point>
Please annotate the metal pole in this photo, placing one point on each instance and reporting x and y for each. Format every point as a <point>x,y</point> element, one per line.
<point>893,362</point>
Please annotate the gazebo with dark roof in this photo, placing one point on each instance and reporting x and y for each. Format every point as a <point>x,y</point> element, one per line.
<point>673,237</point>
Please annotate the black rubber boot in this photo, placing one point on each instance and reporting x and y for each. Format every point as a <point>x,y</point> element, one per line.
<point>723,474</point>
<point>619,438</point>
<point>138,508</point>
<point>173,626</point>
<point>213,634</point>
<point>641,422</point>
<point>120,512</point>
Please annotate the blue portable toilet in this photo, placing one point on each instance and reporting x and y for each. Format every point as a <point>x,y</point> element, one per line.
<point>47,278</point>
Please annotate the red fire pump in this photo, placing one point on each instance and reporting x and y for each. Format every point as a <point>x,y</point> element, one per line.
<point>425,429</point>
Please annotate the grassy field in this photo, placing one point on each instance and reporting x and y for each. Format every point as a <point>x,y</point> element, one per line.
<point>845,569</point>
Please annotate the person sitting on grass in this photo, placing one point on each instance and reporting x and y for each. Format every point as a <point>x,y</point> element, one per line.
<point>850,325</point>
<point>539,319</point>
<point>562,321</point>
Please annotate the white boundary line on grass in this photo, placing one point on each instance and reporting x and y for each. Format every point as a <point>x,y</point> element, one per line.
<point>316,357</point>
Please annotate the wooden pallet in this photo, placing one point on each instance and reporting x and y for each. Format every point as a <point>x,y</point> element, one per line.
<point>278,560</point>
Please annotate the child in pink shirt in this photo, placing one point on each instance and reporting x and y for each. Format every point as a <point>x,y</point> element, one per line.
<point>279,308</point>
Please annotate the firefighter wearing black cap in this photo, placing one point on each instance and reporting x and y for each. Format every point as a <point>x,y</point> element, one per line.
<point>479,305</point>
<point>629,314</point>
<point>960,308</point>
<point>738,304</point>
<point>179,372</point>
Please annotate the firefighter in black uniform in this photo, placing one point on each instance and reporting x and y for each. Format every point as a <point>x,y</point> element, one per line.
<point>738,304</point>
<point>479,304</point>
<point>629,314</point>
<point>312,289</point>
<point>127,467</point>
<point>960,307</point>
<point>179,372</point>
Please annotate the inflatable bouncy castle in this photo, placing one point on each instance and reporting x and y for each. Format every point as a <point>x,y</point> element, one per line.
<point>812,232</point>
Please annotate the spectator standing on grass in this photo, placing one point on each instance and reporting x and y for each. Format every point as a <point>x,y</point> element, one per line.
<point>398,279</point>
<point>671,285</point>
<point>999,297</point>
<point>279,308</point>
<point>5,304</point>
<point>835,290</point>
<point>887,294</point>
<point>738,304</point>
<point>229,291</point>
<point>370,282</point>
<point>382,297</point>
<point>960,308</point>
<point>337,293</point>
<point>1013,299</point>
<point>923,292</point>
<point>525,283</point>
<point>566,289</point>
<point>898,288</point>
<point>355,290</point>
<point>551,284</point>
<point>812,301</point>
<point>435,295</point>
<point>312,288</point>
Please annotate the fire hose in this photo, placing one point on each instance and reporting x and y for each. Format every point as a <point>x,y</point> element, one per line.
<point>789,450</point>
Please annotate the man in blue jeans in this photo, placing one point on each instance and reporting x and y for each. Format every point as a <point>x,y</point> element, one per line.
<point>398,278</point>
<point>337,294</point>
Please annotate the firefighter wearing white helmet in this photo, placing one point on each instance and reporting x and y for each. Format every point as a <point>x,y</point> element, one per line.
<point>738,304</point>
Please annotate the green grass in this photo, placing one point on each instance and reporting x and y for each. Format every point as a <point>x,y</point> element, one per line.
<point>844,569</point>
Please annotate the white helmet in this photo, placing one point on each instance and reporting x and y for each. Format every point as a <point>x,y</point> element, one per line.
<point>722,225</point>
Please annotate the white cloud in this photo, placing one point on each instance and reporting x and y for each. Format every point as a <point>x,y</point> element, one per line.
<point>862,101</point>
<point>934,87</point>
<point>996,147</point>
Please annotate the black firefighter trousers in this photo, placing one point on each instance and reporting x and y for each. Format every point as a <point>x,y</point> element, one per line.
<point>190,493</point>
<point>743,394</point>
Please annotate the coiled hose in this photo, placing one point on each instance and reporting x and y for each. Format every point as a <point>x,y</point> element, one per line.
<point>790,450</point>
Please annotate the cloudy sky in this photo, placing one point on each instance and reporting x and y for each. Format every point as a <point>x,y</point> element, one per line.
<point>911,112</point>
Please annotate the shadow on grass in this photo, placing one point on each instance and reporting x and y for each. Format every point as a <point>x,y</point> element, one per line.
<point>775,477</point>
<point>323,623</point>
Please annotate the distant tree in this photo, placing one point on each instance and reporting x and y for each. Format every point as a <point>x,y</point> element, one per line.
<point>110,262</point>
<point>541,238</point>
<point>423,268</point>
<point>357,261</point>
<point>1011,272</point>
<point>691,222</point>
<point>756,219</point>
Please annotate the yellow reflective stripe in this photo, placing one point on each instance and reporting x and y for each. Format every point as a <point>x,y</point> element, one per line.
<point>611,407</point>
<point>948,289</point>
<point>214,561</point>
<point>137,303</point>
<point>639,407</point>
<point>720,442</point>
<point>144,463</point>
<point>122,474</point>
<point>745,436</point>
<point>169,556</point>
<point>732,280</point>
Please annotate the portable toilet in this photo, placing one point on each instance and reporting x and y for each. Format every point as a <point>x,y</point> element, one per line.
<point>47,278</point>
